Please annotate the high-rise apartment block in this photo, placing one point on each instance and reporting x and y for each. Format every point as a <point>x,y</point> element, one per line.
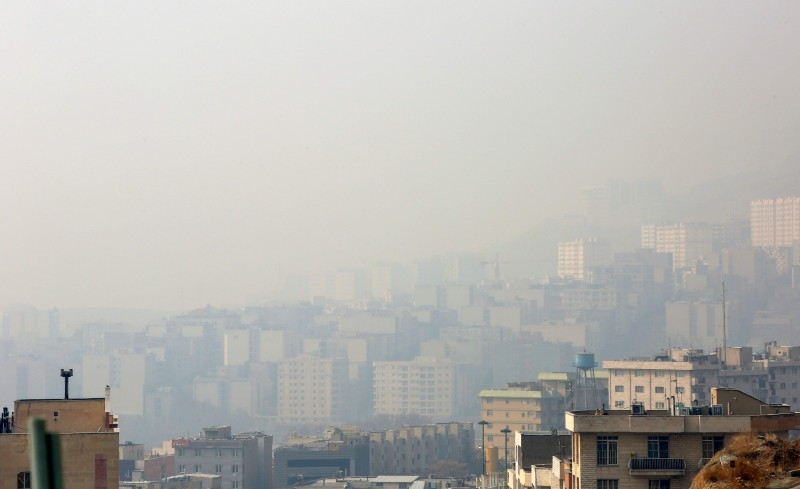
<point>577,258</point>
<point>775,222</point>
<point>686,241</point>
<point>429,386</point>
<point>312,389</point>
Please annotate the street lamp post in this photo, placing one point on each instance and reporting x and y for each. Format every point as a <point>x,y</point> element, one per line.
<point>483,424</point>
<point>505,431</point>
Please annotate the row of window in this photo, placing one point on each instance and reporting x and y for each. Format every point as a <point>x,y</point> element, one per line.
<point>656,373</point>
<point>657,447</point>
<point>198,452</point>
<point>182,469</point>
<point>639,389</point>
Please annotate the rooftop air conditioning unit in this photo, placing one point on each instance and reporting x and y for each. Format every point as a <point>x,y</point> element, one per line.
<point>716,410</point>
<point>637,409</point>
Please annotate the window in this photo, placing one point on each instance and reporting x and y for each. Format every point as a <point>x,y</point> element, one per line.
<point>659,405</point>
<point>619,373</point>
<point>198,468</point>
<point>235,484</point>
<point>607,483</point>
<point>490,413</point>
<point>607,450</point>
<point>639,389</point>
<point>639,373</point>
<point>235,452</point>
<point>679,390</point>
<point>23,480</point>
<point>783,385</point>
<point>657,447</point>
<point>619,404</point>
<point>659,373</point>
<point>219,452</point>
<point>712,444</point>
<point>619,388</point>
<point>181,469</point>
<point>181,452</point>
<point>234,468</point>
<point>658,484</point>
<point>680,374</point>
<point>659,390</point>
<point>198,452</point>
<point>489,438</point>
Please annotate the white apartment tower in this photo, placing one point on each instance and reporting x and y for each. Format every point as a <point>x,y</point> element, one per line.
<point>577,258</point>
<point>686,241</point>
<point>775,222</point>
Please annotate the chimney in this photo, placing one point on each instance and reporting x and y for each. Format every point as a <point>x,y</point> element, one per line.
<point>108,399</point>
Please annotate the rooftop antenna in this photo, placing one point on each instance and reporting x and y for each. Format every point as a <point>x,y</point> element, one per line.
<point>66,374</point>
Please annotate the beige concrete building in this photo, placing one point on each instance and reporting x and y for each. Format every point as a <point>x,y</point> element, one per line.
<point>520,406</point>
<point>689,374</point>
<point>664,449</point>
<point>577,258</point>
<point>88,435</point>
<point>312,389</point>
<point>430,386</point>
<point>682,373</point>
<point>686,241</point>
<point>775,222</point>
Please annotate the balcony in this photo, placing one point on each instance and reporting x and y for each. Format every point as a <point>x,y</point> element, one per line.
<point>657,466</point>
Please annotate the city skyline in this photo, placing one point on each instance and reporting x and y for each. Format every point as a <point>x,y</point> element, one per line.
<point>170,156</point>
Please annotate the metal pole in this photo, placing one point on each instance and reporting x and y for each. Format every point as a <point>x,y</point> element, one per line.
<point>505,431</point>
<point>483,444</point>
<point>45,456</point>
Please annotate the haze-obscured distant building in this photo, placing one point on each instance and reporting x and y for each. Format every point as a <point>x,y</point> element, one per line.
<point>577,258</point>
<point>775,222</point>
<point>312,389</point>
<point>687,242</point>
<point>434,387</point>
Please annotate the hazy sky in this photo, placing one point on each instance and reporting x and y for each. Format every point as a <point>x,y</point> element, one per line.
<point>175,153</point>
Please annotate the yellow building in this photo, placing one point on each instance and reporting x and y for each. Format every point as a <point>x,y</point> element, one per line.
<point>522,406</point>
<point>88,435</point>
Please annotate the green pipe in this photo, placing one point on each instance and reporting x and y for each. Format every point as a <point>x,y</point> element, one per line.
<point>45,452</point>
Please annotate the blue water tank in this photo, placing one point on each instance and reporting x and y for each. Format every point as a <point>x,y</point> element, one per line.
<point>585,361</point>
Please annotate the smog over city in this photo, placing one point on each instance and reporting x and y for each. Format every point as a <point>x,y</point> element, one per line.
<point>272,215</point>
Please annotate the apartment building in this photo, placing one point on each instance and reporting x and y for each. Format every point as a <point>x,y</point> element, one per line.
<point>664,449</point>
<point>689,374</point>
<point>686,241</point>
<point>520,406</point>
<point>577,258</point>
<point>244,461</point>
<point>775,222</point>
<point>88,436</point>
<point>430,386</point>
<point>312,389</point>
<point>685,374</point>
<point>412,449</point>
